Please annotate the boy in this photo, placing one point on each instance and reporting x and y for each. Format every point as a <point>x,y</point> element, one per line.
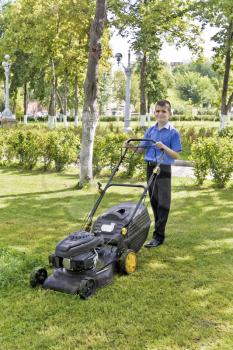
<point>168,141</point>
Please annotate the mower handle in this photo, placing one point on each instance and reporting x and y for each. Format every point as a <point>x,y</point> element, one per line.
<point>102,192</point>
<point>148,140</point>
<point>126,185</point>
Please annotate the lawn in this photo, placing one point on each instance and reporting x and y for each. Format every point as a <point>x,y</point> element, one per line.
<point>180,298</point>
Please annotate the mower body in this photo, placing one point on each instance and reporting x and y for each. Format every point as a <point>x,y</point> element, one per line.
<point>84,261</point>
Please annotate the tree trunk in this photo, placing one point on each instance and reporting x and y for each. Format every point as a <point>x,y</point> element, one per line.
<point>65,100</point>
<point>60,102</point>
<point>76,100</point>
<point>25,99</point>
<point>14,102</point>
<point>226,105</point>
<point>143,91</point>
<point>90,116</point>
<point>52,104</point>
<point>148,104</point>
<point>65,92</point>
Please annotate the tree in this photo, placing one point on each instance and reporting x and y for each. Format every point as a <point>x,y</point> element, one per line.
<point>119,86</point>
<point>150,23</point>
<point>90,115</point>
<point>220,14</point>
<point>104,91</point>
<point>192,86</point>
<point>54,35</point>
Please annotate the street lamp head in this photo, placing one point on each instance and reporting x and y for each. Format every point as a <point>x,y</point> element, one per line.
<point>139,56</point>
<point>7,57</point>
<point>118,57</point>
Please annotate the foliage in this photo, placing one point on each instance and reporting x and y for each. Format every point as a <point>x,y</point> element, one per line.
<point>104,89</point>
<point>64,148</point>
<point>31,146</point>
<point>40,34</point>
<point>226,132</point>
<point>149,24</point>
<point>201,65</point>
<point>219,15</point>
<point>24,145</point>
<point>199,157</point>
<point>192,86</point>
<point>214,155</point>
<point>155,85</point>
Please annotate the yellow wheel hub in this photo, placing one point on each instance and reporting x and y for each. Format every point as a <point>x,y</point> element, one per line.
<point>130,262</point>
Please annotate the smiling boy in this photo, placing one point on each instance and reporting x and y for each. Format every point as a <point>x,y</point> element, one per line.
<point>167,140</point>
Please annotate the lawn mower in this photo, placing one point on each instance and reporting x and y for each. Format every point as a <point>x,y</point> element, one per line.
<point>87,259</point>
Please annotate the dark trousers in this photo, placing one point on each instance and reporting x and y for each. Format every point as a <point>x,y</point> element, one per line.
<point>160,198</point>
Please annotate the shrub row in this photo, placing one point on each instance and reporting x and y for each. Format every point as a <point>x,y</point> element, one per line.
<point>30,147</point>
<point>188,117</point>
<point>213,155</point>
<point>175,117</point>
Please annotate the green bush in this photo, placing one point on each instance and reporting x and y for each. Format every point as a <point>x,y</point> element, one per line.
<point>31,146</point>
<point>214,155</point>
<point>62,147</point>
<point>107,152</point>
<point>2,148</point>
<point>226,132</point>
<point>23,144</point>
<point>199,157</point>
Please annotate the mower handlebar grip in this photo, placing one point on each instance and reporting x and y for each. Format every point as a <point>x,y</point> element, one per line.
<point>130,140</point>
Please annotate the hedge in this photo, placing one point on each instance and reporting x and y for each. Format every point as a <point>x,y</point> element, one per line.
<point>213,155</point>
<point>39,147</point>
<point>28,147</point>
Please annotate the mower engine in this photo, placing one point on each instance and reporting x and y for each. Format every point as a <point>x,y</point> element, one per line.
<point>77,252</point>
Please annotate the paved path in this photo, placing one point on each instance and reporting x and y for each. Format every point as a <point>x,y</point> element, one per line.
<point>182,171</point>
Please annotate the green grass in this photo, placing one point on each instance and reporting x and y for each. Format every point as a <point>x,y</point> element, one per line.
<point>180,298</point>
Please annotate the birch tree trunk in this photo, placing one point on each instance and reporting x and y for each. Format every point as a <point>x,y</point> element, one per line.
<point>90,115</point>
<point>25,103</point>
<point>76,100</point>
<point>143,91</point>
<point>65,100</point>
<point>226,105</point>
<point>52,105</point>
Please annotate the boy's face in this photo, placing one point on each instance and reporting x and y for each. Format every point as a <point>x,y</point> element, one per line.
<point>162,114</point>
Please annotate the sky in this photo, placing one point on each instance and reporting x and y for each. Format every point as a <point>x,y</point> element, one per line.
<point>169,53</point>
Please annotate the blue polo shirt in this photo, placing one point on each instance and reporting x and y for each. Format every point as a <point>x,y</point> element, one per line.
<point>168,135</point>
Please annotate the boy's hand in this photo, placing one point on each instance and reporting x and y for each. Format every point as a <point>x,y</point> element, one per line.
<point>159,145</point>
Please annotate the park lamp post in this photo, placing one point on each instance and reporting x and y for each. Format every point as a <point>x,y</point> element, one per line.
<point>128,73</point>
<point>7,116</point>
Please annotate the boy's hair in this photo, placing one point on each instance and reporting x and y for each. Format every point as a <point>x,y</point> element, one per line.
<point>164,103</point>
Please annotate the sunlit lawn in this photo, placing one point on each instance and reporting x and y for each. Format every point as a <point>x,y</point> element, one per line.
<point>180,298</point>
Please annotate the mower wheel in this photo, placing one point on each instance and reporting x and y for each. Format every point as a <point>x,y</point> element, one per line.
<point>87,288</point>
<point>38,276</point>
<point>128,262</point>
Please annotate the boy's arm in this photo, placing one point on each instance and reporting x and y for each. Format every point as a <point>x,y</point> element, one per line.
<point>169,151</point>
<point>175,148</point>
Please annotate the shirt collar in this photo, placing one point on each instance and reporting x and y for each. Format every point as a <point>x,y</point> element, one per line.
<point>166,126</point>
